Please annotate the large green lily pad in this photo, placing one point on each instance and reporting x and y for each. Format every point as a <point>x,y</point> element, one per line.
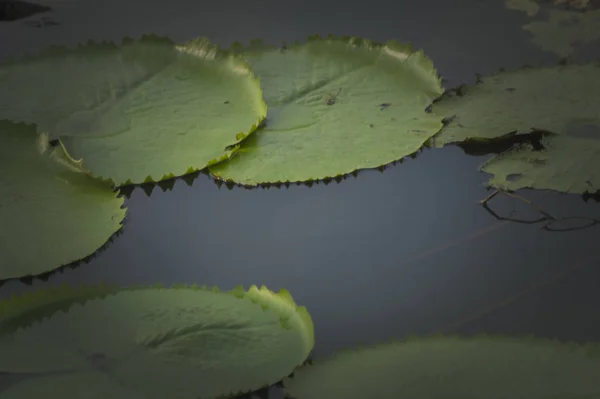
<point>145,111</point>
<point>567,164</point>
<point>65,90</point>
<point>553,99</point>
<point>51,212</point>
<point>452,367</point>
<point>336,105</point>
<point>191,342</point>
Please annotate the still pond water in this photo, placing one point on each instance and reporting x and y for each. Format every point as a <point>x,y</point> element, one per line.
<point>406,251</point>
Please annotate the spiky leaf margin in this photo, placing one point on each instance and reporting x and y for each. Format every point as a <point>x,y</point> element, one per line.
<point>21,311</point>
<point>199,47</point>
<point>54,163</point>
<point>391,48</point>
<point>26,310</point>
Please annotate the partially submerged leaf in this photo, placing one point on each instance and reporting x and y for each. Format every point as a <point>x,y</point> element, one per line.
<point>145,111</point>
<point>529,7</point>
<point>452,367</point>
<point>564,29</point>
<point>567,164</point>
<point>51,212</point>
<point>580,5</point>
<point>336,105</point>
<point>552,99</point>
<point>99,342</point>
<point>562,100</point>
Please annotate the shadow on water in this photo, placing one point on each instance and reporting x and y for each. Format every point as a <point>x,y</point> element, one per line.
<point>12,10</point>
<point>498,145</point>
<point>189,179</point>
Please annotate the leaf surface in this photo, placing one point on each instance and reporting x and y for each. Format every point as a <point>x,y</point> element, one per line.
<point>51,212</point>
<point>567,164</point>
<point>336,105</point>
<point>563,30</point>
<point>529,7</point>
<point>452,367</point>
<point>151,342</point>
<point>145,111</point>
<point>554,99</point>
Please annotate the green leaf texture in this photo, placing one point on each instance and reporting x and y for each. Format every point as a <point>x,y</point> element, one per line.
<point>563,30</point>
<point>336,105</point>
<point>567,164</point>
<point>150,342</point>
<point>51,212</point>
<point>453,367</point>
<point>145,111</point>
<point>555,99</point>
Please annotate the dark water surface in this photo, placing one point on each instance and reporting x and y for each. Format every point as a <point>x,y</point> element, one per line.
<point>382,255</point>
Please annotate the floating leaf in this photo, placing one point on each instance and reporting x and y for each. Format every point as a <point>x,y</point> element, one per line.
<point>65,90</point>
<point>564,29</point>
<point>452,367</point>
<point>529,7</point>
<point>145,111</point>
<point>567,164</point>
<point>51,212</point>
<point>336,105</point>
<point>532,7</point>
<point>580,5</point>
<point>99,342</point>
<point>553,99</point>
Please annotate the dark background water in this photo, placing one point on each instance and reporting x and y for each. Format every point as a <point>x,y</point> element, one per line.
<point>406,251</point>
